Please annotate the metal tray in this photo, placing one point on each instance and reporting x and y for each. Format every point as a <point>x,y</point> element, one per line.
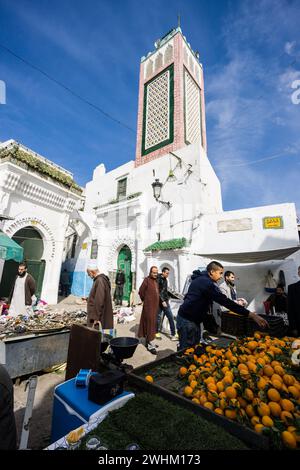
<point>167,383</point>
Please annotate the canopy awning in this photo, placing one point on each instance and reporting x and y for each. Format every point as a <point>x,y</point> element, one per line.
<point>252,256</point>
<point>9,249</point>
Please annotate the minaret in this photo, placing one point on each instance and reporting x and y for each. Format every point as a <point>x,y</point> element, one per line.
<point>171,111</point>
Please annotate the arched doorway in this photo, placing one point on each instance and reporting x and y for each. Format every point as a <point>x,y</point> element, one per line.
<point>124,263</point>
<point>32,243</point>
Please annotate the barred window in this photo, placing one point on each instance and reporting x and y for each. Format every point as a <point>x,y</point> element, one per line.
<point>122,186</point>
<point>94,249</point>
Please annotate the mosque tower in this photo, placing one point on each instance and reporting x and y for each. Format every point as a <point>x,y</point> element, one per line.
<point>171,112</point>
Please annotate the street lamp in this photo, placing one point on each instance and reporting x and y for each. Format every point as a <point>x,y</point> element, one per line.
<point>156,186</point>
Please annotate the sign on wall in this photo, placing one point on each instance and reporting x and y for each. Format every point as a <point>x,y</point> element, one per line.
<point>234,225</point>
<point>273,222</point>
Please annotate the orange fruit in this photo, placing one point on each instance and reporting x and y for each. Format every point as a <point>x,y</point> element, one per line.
<point>250,411</point>
<point>294,391</point>
<point>252,345</point>
<point>286,416</point>
<point>255,420</point>
<point>193,384</point>
<point>276,377</point>
<point>288,379</point>
<point>220,386</point>
<point>203,399</point>
<point>267,421</point>
<point>219,411</point>
<point>263,409</point>
<point>258,428</point>
<point>273,395</point>
<point>262,383</point>
<point>289,439</point>
<point>212,396</point>
<point>277,384</point>
<point>248,394</point>
<point>244,373</point>
<point>242,402</point>
<point>261,361</point>
<point>223,404</point>
<point>191,377</point>
<point>208,405</point>
<point>231,392</point>
<point>227,380</point>
<point>231,414</point>
<point>188,391</point>
<point>192,367</point>
<point>279,370</point>
<point>275,363</point>
<point>195,400</point>
<point>287,405</point>
<point>257,335</point>
<point>275,409</point>
<point>149,378</point>
<point>268,370</point>
<point>183,371</point>
<point>251,366</point>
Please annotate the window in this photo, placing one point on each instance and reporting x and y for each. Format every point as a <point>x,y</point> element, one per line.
<point>122,185</point>
<point>94,249</point>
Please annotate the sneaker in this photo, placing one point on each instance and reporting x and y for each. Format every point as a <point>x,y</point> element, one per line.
<point>158,336</point>
<point>151,348</point>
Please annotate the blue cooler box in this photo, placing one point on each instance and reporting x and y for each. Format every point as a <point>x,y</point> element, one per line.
<point>72,409</point>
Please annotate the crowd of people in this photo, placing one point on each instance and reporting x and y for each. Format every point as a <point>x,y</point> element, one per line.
<point>154,293</point>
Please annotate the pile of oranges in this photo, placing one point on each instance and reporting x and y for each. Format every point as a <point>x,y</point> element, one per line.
<point>250,382</point>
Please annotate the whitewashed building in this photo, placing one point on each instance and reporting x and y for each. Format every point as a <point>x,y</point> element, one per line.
<point>36,197</point>
<point>165,207</point>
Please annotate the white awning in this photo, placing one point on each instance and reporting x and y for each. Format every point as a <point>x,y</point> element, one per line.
<point>252,256</point>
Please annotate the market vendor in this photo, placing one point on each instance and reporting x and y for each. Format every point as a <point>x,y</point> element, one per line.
<point>202,291</point>
<point>20,298</point>
<point>99,304</point>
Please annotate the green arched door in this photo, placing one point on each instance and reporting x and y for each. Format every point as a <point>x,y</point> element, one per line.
<point>124,263</point>
<point>32,243</point>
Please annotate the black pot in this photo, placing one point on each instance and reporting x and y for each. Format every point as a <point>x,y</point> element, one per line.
<point>124,347</point>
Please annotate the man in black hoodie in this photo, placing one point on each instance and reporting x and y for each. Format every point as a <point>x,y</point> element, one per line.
<point>202,291</point>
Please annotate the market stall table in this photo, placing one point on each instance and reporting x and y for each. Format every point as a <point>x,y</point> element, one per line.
<point>26,354</point>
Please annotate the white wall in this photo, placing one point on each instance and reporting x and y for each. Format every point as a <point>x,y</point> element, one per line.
<point>38,202</point>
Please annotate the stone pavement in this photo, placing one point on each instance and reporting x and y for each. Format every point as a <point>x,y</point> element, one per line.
<point>40,426</point>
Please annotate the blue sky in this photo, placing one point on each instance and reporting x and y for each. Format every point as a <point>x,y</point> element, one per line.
<point>251,57</point>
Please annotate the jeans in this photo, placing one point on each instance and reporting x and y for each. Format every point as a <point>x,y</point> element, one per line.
<point>160,316</point>
<point>189,332</point>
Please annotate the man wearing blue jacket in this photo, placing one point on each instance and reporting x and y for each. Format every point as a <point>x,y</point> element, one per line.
<point>202,291</point>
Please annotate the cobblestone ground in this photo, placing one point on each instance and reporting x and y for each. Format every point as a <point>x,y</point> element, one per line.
<point>40,426</point>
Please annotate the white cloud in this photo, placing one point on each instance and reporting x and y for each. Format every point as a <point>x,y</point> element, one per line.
<point>249,111</point>
<point>289,47</point>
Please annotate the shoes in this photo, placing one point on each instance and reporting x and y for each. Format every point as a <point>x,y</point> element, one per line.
<point>151,348</point>
<point>158,336</point>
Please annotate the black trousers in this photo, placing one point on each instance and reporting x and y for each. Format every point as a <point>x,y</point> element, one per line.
<point>119,294</point>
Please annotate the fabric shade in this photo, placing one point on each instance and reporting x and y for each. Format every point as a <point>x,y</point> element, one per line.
<point>252,256</point>
<point>9,249</point>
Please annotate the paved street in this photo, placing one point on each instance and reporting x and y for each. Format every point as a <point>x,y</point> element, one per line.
<point>40,427</point>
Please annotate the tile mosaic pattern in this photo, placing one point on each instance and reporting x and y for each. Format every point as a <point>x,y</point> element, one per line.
<point>157,113</point>
<point>192,109</point>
